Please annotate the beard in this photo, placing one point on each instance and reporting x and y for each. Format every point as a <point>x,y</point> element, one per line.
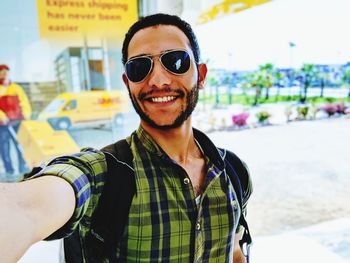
<point>191,102</point>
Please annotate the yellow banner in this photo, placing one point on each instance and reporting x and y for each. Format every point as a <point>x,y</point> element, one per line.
<point>228,7</point>
<point>72,19</point>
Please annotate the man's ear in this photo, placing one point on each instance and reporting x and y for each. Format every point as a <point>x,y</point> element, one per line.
<point>125,80</point>
<point>202,73</point>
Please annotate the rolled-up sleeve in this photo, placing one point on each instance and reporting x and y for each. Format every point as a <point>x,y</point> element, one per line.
<point>84,171</point>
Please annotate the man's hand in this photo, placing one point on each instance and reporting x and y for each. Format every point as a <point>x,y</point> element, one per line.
<point>3,119</point>
<point>238,256</point>
<point>31,211</point>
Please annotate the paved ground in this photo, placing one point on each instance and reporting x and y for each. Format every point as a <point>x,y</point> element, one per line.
<point>301,178</point>
<point>300,172</point>
<point>321,243</point>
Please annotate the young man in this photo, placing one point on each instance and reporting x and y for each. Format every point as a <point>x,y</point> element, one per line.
<point>185,208</point>
<point>14,107</point>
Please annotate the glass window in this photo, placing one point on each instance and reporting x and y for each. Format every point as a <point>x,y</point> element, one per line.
<point>54,106</point>
<point>72,105</point>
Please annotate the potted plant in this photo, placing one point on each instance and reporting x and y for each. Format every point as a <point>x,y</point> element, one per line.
<point>263,117</point>
<point>240,120</point>
<point>341,108</point>
<point>288,112</point>
<point>302,112</point>
<point>330,109</point>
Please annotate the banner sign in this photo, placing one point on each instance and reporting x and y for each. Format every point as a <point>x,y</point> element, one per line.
<point>71,19</point>
<point>228,7</point>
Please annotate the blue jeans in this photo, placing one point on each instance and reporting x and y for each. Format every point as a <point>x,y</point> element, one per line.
<point>5,139</point>
<point>5,149</point>
<point>22,167</point>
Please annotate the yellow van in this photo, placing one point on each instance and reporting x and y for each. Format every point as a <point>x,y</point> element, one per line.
<point>87,107</point>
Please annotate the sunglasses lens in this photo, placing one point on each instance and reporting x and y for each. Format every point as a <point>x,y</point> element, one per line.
<point>137,69</point>
<point>177,62</point>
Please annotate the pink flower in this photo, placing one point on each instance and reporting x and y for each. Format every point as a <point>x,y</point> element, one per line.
<point>240,120</point>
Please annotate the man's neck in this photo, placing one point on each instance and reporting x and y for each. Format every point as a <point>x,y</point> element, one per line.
<point>178,143</point>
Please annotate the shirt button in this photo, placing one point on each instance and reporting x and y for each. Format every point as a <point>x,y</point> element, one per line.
<point>198,226</point>
<point>186,181</point>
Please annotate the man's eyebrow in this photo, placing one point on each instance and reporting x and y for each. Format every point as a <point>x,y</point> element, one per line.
<point>140,55</point>
<point>150,55</point>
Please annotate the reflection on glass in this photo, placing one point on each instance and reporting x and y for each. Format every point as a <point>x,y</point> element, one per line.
<point>54,107</point>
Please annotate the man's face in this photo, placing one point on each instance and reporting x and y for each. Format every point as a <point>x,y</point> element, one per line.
<point>3,74</point>
<point>164,100</point>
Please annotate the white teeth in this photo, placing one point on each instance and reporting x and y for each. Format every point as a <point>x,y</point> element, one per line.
<point>163,99</point>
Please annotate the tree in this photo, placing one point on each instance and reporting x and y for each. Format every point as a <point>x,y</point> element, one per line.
<point>324,79</point>
<point>246,84</point>
<point>268,72</point>
<point>263,78</point>
<point>213,82</point>
<point>345,79</point>
<point>280,81</point>
<point>227,80</point>
<point>307,74</point>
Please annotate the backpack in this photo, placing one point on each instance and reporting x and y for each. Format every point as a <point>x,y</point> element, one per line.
<point>111,215</point>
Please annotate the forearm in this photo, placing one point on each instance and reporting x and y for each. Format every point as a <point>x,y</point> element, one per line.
<point>26,110</point>
<point>17,232</point>
<point>14,223</point>
<point>24,103</point>
<point>30,211</point>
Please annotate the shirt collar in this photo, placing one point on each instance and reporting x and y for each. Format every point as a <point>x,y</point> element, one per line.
<point>208,147</point>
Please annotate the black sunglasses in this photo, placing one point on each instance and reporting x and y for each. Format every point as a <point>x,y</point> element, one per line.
<point>177,62</point>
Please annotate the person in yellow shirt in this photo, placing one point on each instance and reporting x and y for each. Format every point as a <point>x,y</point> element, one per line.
<point>14,107</point>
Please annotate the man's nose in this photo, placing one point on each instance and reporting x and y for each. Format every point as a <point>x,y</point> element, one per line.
<point>159,76</point>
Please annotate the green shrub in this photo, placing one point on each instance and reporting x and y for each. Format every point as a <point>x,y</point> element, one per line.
<point>303,111</point>
<point>262,116</point>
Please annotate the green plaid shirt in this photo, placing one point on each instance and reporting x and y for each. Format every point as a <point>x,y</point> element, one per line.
<point>166,223</point>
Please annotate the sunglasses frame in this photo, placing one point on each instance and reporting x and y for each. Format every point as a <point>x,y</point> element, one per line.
<point>159,55</point>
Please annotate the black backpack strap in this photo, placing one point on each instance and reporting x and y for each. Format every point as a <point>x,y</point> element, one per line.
<point>72,248</point>
<point>239,177</point>
<point>111,215</point>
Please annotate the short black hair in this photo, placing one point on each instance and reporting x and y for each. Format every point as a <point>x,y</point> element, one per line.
<point>161,19</point>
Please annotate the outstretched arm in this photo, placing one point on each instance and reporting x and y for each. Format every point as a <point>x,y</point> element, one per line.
<point>30,211</point>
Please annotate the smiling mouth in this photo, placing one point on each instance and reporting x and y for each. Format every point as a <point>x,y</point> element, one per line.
<point>162,99</point>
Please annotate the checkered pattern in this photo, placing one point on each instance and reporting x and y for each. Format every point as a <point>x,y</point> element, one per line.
<point>165,223</point>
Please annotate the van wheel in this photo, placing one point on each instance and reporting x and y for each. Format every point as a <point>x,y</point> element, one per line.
<point>62,124</point>
<point>118,120</point>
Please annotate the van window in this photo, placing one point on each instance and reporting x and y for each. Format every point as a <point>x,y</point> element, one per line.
<point>54,106</point>
<point>72,105</point>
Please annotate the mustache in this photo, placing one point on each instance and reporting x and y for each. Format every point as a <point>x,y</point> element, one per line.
<point>179,92</point>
